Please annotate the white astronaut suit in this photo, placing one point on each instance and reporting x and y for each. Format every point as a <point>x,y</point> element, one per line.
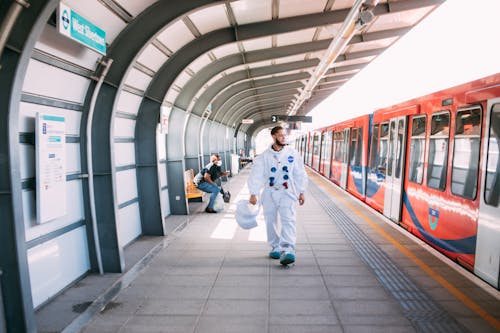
<point>283,177</point>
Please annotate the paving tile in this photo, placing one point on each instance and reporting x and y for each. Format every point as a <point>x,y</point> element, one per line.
<point>238,292</point>
<point>236,307</point>
<point>359,293</point>
<point>394,320</point>
<point>188,280</point>
<point>297,281</point>
<point>242,280</point>
<point>300,293</point>
<point>301,307</point>
<point>324,320</point>
<point>351,281</point>
<point>378,329</point>
<point>305,328</point>
<point>367,307</point>
<point>160,324</point>
<point>232,324</point>
<point>171,307</point>
<point>244,270</point>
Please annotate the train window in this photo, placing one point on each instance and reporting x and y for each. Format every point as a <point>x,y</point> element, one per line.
<point>399,151</point>
<point>382,149</point>
<point>356,146</point>
<point>352,149</point>
<point>323,150</point>
<point>438,150</point>
<point>492,186</point>
<point>316,147</point>
<point>327,154</point>
<point>465,160</point>
<point>339,145</point>
<point>374,146</point>
<point>392,134</point>
<point>417,147</point>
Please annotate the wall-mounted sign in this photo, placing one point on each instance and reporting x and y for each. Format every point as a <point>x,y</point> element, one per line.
<point>50,147</point>
<point>247,121</point>
<point>78,28</point>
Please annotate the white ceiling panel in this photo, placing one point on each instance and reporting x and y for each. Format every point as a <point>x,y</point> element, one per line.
<point>99,15</point>
<point>182,79</point>
<point>258,44</point>
<point>152,57</point>
<point>398,20</point>
<point>295,37</point>
<point>297,57</point>
<point>317,54</point>
<point>210,18</point>
<point>176,36</point>
<point>135,7</point>
<point>290,8</point>
<point>233,69</point>
<point>329,31</point>
<point>264,63</point>
<point>212,80</point>
<point>354,61</point>
<point>342,4</point>
<point>225,50</point>
<point>137,79</point>
<point>199,63</point>
<point>128,102</point>
<point>248,11</point>
<point>171,96</point>
<point>376,44</point>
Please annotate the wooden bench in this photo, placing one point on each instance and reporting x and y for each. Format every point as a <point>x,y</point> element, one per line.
<point>192,192</point>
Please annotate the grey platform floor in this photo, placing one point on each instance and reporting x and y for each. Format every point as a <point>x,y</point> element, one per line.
<point>213,276</point>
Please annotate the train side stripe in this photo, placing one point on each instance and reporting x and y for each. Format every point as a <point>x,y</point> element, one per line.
<point>465,245</point>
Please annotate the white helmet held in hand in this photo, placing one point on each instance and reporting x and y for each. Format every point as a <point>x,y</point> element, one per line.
<point>246,214</point>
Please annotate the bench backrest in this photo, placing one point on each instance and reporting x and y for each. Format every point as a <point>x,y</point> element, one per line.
<point>189,176</point>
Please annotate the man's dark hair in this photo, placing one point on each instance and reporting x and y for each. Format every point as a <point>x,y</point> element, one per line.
<point>216,155</point>
<point>276,129</point>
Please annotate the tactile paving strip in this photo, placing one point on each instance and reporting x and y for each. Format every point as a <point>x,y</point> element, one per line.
<point>420,309</point>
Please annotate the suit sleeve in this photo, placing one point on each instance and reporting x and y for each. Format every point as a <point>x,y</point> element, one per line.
<point>257,175</point>
<point>299,174</point>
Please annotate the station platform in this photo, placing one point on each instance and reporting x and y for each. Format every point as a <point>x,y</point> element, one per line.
<point>355,272</point>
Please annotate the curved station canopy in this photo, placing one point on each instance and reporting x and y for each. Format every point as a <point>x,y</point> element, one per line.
<point>172,84</point>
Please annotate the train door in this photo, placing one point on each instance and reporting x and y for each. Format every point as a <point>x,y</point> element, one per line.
<point>395,168</point>
<point>345,158</point>
<point>487,262</point>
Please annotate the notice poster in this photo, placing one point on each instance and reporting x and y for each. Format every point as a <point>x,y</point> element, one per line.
<point>50,150</point>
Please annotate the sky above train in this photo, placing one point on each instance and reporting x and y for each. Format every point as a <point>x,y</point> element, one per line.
<point>457,43</point>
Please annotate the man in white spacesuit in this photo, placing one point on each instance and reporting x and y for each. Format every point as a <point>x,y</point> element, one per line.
<point>281,172</point>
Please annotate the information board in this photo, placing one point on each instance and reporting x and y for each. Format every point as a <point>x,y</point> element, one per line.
<point>50,147</point>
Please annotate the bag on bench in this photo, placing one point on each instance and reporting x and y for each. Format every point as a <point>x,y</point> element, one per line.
<point>199,176</point>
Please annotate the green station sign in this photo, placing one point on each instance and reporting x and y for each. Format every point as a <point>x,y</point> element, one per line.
<point>81,30</point>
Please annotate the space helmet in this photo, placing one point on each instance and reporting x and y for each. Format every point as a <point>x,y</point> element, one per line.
<point>246,214</point>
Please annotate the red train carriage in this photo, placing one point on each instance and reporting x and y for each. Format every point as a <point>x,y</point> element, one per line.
<point>343,154</point>
<point>433,167</point>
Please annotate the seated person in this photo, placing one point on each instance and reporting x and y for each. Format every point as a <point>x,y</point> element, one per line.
<point>208,183</point>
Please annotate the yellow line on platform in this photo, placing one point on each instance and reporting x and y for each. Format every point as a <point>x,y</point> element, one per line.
<point>458,294</point>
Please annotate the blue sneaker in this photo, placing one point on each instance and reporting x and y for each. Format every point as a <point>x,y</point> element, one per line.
<point>274,254</point>
<point>287,258</point>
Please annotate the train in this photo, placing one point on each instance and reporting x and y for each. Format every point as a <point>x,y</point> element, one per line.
<point>430,165</point>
